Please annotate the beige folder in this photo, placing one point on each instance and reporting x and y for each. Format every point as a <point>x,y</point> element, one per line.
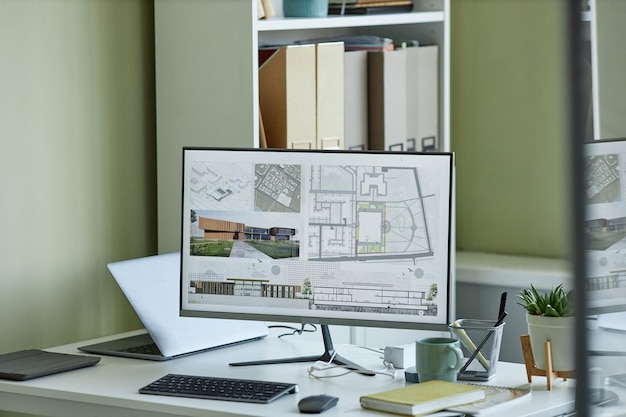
<point>330,95</point>
<point>355,100</point>
<point>287,96</point>
<point>268,8</point>
<point>387,100</point>
<point>423,97</point>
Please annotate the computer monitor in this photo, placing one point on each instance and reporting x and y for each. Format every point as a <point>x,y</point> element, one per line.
<point>325,237</point>
<point>605,225</point>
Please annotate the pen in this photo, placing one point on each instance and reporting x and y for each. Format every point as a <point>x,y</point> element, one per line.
<point>502,304</point>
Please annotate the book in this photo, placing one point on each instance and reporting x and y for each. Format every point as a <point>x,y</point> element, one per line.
<point>364,2</point>
<point>423,398</point>
<point>496,399</point>
<point>372,8</point>
<point>356,42</point>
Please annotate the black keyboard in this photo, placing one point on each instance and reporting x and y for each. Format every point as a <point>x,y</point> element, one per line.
<point>210,388</point>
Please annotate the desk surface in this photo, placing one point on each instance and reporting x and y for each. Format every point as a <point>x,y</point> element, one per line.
<point>110,387</point>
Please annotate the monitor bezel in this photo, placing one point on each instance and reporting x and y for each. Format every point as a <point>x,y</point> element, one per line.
<point>324,320</point>
<point>610,300</point>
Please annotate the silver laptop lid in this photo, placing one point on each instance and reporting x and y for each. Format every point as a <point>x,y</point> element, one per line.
<point>151,285</point>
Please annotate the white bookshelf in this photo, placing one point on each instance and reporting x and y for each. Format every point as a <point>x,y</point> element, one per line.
<point>207,78</point>
<point>287,23</point>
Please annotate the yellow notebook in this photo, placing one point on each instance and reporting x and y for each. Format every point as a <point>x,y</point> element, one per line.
<point>423,398</point>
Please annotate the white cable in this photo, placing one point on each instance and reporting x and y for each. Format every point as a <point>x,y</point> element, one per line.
<point>321,366</point>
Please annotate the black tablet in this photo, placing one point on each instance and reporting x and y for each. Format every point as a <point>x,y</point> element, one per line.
<point>33,363</point>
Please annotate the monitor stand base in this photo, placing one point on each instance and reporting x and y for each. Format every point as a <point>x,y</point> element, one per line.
<point>327,356</point>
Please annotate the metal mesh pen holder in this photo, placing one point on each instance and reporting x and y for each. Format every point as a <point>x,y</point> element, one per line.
<point>480,343</point>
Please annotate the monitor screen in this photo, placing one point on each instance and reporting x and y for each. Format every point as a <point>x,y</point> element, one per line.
<point>331,237</point>
<point>605,225</point>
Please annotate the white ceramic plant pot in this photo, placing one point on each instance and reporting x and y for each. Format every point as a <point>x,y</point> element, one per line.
<point>560,332</point>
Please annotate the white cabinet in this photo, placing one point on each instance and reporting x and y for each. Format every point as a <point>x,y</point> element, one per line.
<point>207,81</point>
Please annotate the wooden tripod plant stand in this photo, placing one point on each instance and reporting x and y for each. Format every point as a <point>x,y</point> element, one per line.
<point>549,372</point>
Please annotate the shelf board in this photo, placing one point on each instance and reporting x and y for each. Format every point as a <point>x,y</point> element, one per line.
<point>280,23</point>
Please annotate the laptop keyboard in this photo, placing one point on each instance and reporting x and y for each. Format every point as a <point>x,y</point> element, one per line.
<point>147,349</point>
<point>212,388</point>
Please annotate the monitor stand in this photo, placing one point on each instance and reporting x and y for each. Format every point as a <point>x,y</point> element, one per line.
<point>329,353</point>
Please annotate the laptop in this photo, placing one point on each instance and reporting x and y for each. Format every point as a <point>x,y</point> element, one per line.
<point>151,285</point>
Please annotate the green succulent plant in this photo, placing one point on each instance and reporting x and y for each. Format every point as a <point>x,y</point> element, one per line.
<point>554,303</point>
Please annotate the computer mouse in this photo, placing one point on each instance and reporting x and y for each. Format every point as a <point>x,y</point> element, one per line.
<point>315,404</point>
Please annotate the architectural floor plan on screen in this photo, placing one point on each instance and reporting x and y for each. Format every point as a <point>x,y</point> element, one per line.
<point>358,212</point>
<point>324,237</point>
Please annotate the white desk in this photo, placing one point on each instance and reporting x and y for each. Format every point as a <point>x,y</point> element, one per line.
<point>110,387</point>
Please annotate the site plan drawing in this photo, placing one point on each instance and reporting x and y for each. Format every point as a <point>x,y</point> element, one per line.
<point>366,212</point>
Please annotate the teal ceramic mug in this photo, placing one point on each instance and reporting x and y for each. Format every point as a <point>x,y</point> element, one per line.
<point>438,358</point>
<point>305,8</point>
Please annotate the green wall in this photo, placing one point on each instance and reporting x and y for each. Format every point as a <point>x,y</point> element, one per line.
<point>78,154</point>
<point>77,165</point>
<point>509,126</point>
